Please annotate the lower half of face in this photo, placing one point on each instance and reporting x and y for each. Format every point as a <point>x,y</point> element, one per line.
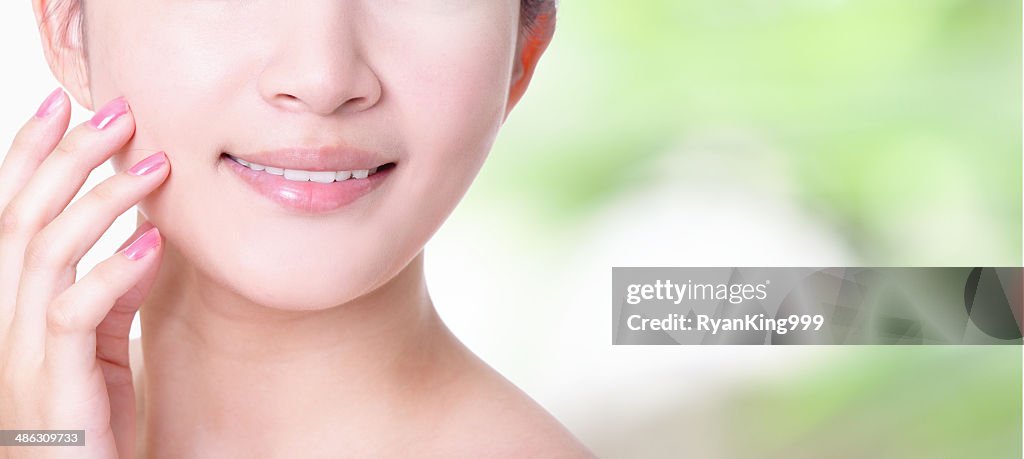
<point>419,87</point>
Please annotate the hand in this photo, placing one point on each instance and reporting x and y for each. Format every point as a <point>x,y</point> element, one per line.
<point>64,344</point>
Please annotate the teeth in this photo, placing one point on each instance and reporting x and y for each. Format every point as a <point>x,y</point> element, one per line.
<point>321,177</point>
<point>298,175</point>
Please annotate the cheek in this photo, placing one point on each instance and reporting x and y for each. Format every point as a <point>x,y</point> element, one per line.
<point>451,92</point>
<point>181,82</point>
<point>177,76</point>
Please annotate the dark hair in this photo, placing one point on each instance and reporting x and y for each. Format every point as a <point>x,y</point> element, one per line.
<point>533,11</point>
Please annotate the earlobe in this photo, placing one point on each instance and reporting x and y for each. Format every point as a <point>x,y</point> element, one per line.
<point>532,44</point>
<point>63,47</point>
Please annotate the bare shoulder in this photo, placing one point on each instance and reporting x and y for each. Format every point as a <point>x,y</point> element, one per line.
<point>489,413</point>
<point>473,412</point>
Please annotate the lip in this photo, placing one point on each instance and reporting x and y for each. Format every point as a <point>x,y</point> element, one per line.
<point>324,158</point>
<point>307,197</point>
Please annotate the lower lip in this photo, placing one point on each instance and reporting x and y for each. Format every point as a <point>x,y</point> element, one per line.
<point>307,197</point>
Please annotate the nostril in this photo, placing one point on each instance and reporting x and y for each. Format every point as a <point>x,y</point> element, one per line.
<point>356,104</point>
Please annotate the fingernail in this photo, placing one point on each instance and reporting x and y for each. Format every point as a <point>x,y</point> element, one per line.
<point>49,105</point>
<point>143,245</point>
<point>150,164</point>
<point>110,112</point>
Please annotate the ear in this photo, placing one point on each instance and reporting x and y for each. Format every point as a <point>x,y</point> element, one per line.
<point>63,46</point>
<point>531,45</point>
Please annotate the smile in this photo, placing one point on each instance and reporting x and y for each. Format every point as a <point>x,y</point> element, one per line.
<point>305,191</point>
<point>299,175</point>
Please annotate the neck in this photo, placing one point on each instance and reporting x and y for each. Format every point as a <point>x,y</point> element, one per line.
<point>219,368</point>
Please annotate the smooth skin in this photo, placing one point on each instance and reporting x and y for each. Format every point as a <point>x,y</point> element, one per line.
<point>265,334</point>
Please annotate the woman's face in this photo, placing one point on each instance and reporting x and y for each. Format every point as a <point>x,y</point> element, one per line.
<point>423,84</point>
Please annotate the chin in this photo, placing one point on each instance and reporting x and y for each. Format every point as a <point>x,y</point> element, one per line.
<point>297,287</point>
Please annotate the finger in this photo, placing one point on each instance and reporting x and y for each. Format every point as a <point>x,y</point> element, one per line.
<point>75,314</point>
<point>112,333</point>
<point>53,185</point>
<point>112,352</point>
<point>33,142</point>
<point>52,255</point>
<point>61,175</point>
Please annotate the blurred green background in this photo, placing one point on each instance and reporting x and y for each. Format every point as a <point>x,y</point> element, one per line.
<point>898,123</point>
<point>745,133</point>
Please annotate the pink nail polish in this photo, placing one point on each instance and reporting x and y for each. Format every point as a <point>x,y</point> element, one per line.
<point>144,245</point>
<point>110,112</point>
<point>149,164</point>
<point>49,106</point>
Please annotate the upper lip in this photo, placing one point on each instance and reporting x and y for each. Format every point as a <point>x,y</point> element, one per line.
<point>323,158</point>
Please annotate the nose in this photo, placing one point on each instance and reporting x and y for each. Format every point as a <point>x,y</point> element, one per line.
<point>318,65</point>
